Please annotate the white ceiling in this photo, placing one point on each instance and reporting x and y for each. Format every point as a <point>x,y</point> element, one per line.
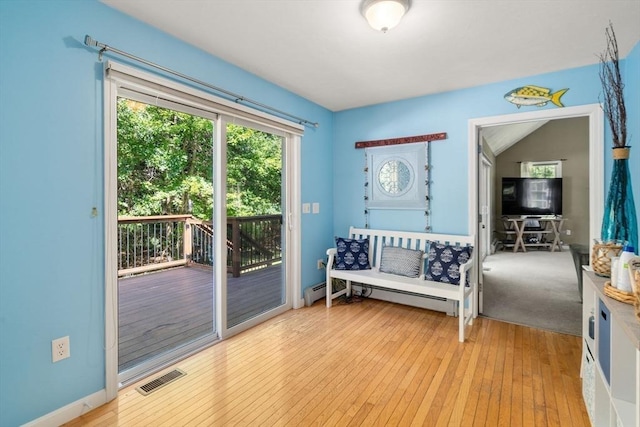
<point>323,50</point>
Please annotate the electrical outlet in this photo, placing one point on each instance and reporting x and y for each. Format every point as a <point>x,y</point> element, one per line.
<point>320,264</point>
<point>60,349</point>
<point>568,232</point>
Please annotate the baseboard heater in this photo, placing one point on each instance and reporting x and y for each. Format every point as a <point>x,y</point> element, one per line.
<point>314,293</point>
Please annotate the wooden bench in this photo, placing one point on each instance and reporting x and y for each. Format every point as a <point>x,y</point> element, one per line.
<point>466,296</point>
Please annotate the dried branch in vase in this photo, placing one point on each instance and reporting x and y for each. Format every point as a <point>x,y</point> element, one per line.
<point>612,90</point>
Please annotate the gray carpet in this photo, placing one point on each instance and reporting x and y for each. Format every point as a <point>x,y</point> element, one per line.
<point>536,288</point>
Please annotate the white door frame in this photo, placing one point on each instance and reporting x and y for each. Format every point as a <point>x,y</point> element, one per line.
<point>484,186</point>
<point>596,162</point>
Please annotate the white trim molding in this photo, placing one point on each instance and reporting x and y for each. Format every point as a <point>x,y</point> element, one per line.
<point>71,411</point>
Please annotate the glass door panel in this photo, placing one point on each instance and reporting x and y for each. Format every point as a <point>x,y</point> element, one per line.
<point>165,236</point>
<point>255,231</point>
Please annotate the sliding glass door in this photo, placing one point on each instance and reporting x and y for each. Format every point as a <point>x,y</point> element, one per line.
<point>255,237</point>
<point>165,235</point>
<point>201,221</point>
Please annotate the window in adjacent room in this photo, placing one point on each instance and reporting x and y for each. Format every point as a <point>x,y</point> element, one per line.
<point>546,169</point>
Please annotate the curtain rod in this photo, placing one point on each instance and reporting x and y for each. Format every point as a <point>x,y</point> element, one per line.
<point>237,98</point>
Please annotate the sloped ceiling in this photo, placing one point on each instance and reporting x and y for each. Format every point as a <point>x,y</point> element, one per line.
<point>500,138</point>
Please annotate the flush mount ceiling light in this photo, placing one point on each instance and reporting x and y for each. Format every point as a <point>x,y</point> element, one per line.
<point>383,15</point>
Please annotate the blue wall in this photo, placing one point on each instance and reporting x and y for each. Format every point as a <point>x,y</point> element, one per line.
<point>631,78</point>
<point>450,112</point>
<point>51,250</point>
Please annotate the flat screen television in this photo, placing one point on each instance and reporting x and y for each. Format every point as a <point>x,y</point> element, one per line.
<point>532,196</point>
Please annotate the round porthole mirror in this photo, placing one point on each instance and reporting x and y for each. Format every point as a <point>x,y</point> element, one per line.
<point>395,177</point>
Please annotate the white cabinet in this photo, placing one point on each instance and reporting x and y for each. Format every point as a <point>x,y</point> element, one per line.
<point>611,357</point>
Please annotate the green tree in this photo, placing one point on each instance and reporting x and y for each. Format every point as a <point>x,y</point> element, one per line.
<point>165,165</point>
<point>543,171</point>
<point>254,172</point>
<point>164,160</point>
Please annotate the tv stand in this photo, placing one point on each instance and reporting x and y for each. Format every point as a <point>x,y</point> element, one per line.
<point>548,230</point>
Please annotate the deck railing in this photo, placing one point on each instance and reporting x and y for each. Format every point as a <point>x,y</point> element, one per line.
<point>158,242</point>
<point>255,242</point>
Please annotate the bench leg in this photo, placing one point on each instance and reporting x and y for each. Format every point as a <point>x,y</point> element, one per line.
<point>461,318</point>
<point>331,295</point>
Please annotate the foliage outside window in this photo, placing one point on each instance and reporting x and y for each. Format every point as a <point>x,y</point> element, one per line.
<point>165,165</point>
<point>548,169</point>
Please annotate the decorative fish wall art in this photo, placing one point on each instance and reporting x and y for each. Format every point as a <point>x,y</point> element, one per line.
<point>534,95</point>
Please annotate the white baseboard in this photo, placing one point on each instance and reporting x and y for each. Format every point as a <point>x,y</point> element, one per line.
<point>70,411</point>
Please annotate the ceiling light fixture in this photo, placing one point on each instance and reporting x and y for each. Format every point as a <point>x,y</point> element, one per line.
<point>383,15</point>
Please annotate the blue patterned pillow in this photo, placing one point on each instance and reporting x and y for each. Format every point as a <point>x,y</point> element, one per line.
<point>444,262</point>
<point>400,261</point>
<point>353,254</point>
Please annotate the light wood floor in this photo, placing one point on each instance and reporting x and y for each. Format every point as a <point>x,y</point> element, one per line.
<point>368,363</point>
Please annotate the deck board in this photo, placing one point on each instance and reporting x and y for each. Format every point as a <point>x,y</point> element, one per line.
<point>163,310</point>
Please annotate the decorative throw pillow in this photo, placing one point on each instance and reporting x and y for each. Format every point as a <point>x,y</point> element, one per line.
<point>445,261</point>
<point>352,254</point>
<point>400,261</point>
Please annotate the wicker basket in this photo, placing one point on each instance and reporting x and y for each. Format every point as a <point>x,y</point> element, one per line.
<point>635,284</point>
<point>601,257</point>
<point>617,294</point>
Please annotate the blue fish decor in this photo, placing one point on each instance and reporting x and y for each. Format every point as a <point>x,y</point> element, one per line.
<point>534,95</point>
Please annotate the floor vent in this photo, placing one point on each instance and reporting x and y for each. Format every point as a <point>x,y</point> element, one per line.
<point>159,382</point>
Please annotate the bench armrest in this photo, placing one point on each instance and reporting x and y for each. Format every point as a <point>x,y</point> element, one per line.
<point>467,265</point>
<point>331,254</point>
<point>464,272</point>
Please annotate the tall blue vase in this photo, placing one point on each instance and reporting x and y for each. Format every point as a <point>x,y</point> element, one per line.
<point>620,223</point>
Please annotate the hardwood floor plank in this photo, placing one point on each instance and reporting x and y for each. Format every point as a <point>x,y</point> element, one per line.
<point>475,410</point>
<point>464,376</point>
<point>540,414</point>
<point>432,397</point>
<point>505,415</point>
<point>367,364</point>
<point>497,378</point>
<point>388,400</point>
<point>377,390</point>
<point>407,392</point>
<point>318,369</point>
<point>528,404</point>
<point>438,347</point>
<point>332,354</point>
<point>371,363</point>
<point>516,410</point>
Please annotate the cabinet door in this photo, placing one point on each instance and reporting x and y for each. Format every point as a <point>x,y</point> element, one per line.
<point>604,340</point>
<point>589,382</point>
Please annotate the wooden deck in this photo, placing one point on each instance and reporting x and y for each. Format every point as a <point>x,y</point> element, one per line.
<point>163,310</point>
